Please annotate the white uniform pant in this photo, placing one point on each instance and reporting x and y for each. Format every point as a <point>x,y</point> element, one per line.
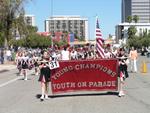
<point>133,65</point>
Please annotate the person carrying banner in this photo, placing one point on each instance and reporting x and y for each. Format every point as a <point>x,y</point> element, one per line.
<point>44,77</point>
<point>123,73</point>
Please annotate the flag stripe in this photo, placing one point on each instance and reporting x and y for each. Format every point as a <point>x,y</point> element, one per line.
<point>97,30</point>
<point>100,53</point>
<point>98,35</point>
<point>99,41</point>
<point>100,48</point>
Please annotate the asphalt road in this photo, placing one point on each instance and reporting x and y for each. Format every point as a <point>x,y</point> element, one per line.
<point>19,96</point>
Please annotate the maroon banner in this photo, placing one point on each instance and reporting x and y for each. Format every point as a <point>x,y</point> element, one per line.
<point>86,75</point>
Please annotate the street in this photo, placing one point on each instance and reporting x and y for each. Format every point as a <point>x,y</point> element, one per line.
<point>19,96</point>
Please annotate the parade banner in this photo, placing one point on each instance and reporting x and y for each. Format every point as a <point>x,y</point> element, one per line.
<point>85,75</point>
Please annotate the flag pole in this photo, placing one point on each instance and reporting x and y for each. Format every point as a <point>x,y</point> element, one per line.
<point>96,17</point>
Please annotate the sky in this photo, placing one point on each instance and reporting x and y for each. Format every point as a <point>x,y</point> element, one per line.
<point>108,11</point>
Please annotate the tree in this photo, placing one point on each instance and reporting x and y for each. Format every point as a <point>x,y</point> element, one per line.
<point>32,29</point>
<point>33,41</point>
<point>132,38</point>
<point>139,41</point>
<point>131,32</point>
<point>11,16</point>
<point>135,18</point>
<point>129,19</point>
<point>1,35</point>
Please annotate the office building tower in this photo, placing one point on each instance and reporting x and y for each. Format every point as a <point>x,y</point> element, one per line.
<point>141,8</point>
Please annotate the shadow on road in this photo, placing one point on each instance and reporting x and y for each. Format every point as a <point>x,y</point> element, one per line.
<point>74,95</point>
<point>5,70</point>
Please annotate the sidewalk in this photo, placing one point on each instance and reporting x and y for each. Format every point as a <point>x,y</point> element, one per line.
<point>7,66</point>
<point>143,64</point>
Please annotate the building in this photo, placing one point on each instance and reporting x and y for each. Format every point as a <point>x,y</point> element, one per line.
<point>30,20</point>
<point>122,30</point>
<point>140,8</point>
<point>71,24</point>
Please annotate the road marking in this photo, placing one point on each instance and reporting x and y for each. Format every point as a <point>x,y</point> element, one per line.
<point>13,80</point>
<point>10,81</point>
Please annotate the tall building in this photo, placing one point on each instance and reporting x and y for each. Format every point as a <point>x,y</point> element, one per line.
<point>72,24</point>
<point>136,7</point>
<point>30,20</point>
<point>141,8</point>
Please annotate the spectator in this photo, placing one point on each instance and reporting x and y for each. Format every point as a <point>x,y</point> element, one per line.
<point>2,56</point>
<point>148,51</point>
<point>8,55</point>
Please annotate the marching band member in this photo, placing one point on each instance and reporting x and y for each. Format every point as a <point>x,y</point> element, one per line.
<point>123,74</point>
<point>107,54</point>
<point>25,65</point>
<point>73,54</point>
<point>44,77</point>
<point>35,60</point>
<point>19,62</point>
<point>65,54</point>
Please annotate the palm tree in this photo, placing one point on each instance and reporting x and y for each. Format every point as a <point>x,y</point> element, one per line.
<point>131,32</point>
<point>135,18</point>
<point>129,19</point>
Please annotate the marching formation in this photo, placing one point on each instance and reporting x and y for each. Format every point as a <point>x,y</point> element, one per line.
<point>39,60</point>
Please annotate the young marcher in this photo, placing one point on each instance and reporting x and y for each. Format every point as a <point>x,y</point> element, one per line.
<point>123,73</point>
<point>25,65</point>
<point>44,77</point>
<point>19,62</point>
<point>35,62</point>
<point>65,54</point>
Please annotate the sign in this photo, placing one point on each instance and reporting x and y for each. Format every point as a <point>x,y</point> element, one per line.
<point>85,75</point>
<point>53,64</point>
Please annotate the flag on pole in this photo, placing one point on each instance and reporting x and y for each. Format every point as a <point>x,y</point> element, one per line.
<point>99,40</point>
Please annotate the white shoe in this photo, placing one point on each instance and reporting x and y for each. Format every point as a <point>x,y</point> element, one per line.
<point>25,79</point>
<point>46,96</point>
<point>121,93</point>
<point>42,97</point>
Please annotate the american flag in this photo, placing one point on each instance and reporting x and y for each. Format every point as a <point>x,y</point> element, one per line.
<point>99,40</point>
